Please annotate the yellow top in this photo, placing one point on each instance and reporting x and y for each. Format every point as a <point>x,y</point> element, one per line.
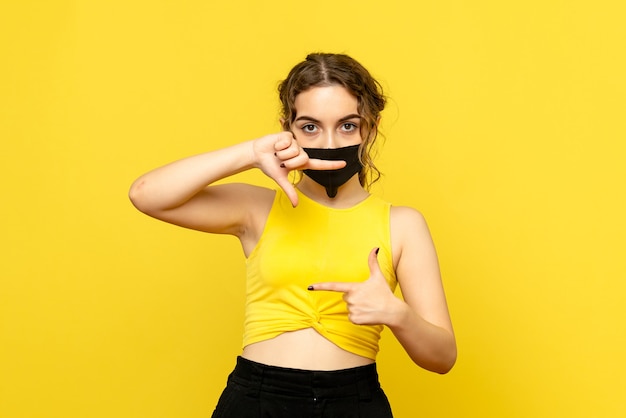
<point>313,243</point>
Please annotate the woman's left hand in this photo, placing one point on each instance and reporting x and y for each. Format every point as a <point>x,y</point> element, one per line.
<point>370,302</point>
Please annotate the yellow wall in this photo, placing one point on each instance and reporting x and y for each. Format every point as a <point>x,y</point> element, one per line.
<point>506,128</point>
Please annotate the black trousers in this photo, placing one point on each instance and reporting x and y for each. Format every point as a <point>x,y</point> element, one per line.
<point>255,390</point>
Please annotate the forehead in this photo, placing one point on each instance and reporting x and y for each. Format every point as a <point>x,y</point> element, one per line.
<point>326,102</point>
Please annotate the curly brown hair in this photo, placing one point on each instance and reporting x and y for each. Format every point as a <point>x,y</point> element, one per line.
<point>323,69</point>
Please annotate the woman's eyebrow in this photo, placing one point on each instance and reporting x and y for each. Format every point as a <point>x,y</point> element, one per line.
<point>352,116</point>
<point>311,119</point>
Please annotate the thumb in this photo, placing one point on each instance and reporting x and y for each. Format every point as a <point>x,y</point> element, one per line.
<point>373,263</point>
<point>289,190</point>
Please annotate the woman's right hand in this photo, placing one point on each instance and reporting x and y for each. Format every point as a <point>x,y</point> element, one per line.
<point>178,192</point>
<point>278,154</point>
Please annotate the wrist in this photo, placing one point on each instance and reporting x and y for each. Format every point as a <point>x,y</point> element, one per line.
<point>250,154</point>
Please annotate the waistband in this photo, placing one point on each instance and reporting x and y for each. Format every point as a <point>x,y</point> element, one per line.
<point>256,378</point>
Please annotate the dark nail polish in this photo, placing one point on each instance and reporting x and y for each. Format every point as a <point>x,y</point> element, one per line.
<point>377,249</point>
<point>282,165</point>
<point>309,288</point>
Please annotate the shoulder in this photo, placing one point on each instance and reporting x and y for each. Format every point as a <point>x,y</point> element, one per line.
<point>403,217</point>
<point>409,231</point>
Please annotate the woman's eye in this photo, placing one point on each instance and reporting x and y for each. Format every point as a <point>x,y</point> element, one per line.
<point>309,128</point>
<point>349,127</point>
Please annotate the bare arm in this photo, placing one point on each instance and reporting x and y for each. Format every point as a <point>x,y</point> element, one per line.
<point>422,322</point>
<point>179,192</point>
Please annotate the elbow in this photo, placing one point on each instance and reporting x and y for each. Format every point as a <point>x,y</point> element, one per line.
<point>440,361</point>
<point>137,196</point>
<point>447,357</point>
<point>441,365</point>
<point>445,364</point>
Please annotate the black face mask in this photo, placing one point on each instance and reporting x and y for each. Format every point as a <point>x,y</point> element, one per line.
<point>333,179</point>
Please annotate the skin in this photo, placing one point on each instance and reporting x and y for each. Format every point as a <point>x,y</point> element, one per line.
<point>181,193</point>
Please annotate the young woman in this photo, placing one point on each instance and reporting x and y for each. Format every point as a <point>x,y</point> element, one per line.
<point>323,255</point>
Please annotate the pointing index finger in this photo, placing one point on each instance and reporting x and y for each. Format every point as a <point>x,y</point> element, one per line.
<point>332,286</point>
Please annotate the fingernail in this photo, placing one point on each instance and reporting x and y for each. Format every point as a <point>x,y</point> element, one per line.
<point>282,165</point>
<point>377,250</point>
<point>310,288</point>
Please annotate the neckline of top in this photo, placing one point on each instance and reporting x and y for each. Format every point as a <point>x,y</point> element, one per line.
<point>315,202</point>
